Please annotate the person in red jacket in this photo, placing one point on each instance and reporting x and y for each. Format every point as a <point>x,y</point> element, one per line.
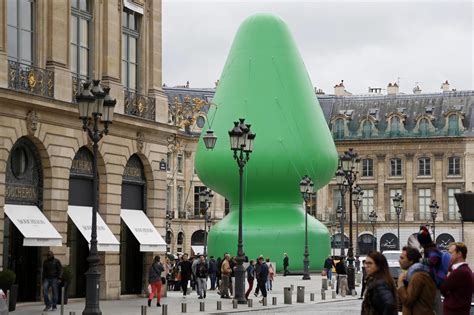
<point>458,286</point>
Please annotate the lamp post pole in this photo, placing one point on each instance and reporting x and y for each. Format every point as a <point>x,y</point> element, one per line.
<point>95,105</point>
<point>348,175</point>
<point>434,212</point>
<point>168,229</point>
<point>398,205</point>
<point>307,190</point>
<point>241,143</point>
<point>205,197</point>
<point>373,219</point>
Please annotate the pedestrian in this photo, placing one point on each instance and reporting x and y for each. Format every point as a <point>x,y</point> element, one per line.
<point>218,274</point>
<point>251,275</point>
<point>416,288</point>
<point>285,264</point>
<point>233,267</point>
<point>271,275</point>
<point>364,280</point>
<point>185,270</point>
<point>213,272</point>
<point>380,296</point>
<point>262,277</point>
<point>341,284</point>
<point>154,280</point>
<point>257,271</point>
<point>226,272</point>
<point>328,265</point>
<point>195,261</point>
<point>458,287</point>
<point>202,272</point>
<point>52,272</point>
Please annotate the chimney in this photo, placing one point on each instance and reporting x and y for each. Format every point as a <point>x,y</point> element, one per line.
<point>340,90</point>
<point>417,90</point>
<point>392,89</point>
<point>318,91</point>
<point>445,86</point>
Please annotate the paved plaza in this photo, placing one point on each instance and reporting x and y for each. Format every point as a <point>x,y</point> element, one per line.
<point>132,305</point>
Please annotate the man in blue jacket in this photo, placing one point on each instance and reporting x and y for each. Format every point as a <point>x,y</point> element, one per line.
<point>262,277</point>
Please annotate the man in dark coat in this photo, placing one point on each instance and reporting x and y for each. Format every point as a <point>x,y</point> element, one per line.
<point>285,265</point>
<point>185,268</point>
<point>262,277</point>
<point>341,276</point>
<point>52,270</point>
<point>458,286</point>
<point>328,264</point>
<point>213,272</point>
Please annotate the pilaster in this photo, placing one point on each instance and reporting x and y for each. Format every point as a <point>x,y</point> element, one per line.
<point>409,174</point>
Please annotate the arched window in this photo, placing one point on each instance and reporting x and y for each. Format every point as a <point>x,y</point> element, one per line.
<point>395,126</point>
<point>180,238</point>
<point>339,128</point>
<point>453,125</point>
<point>367,129</point>
<point>423,126</point>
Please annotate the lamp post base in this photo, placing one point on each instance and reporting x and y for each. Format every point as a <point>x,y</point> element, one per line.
<point>350,269</point>
<point>92,292</point>
<point>240,281</point>
<point>306,275</point>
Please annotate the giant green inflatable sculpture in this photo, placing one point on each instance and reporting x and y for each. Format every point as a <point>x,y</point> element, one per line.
<point>265,81</point>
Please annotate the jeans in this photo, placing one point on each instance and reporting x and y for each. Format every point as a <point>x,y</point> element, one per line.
<point>184,286</point>
<point>269,284</point>
<point>225,286</point>
<point>329,273</point>
<point>201,286</point>
<point>213,281</point>
<point>249,290</point>
<point>53,283</point>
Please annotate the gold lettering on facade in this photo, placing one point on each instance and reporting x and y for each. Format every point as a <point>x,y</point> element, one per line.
<point>82,166</point>
<point>133,172</point>
<point>21,193</point>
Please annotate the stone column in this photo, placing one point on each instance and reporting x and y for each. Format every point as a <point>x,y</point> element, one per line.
<point>3,47</point>
<point>57,48</point>
<point>468,167</point>
<point>381,166</point>
<point>438,177</point>
<point>409,207</point>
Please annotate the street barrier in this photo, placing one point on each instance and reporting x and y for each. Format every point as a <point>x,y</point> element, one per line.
<point>264,301</point>
<point>144,309</point>
<point>234,303</point>
<point>333,294</point>
<point>300,294</point>
<point>324,284</point>
<point>219,305</point>
<point>274,300</point>
<point>250,302</point>
<point>323,295</point>
<point>184,307</point>
<point>311,296</point>
<point>287,295</point>
<point>164,309</point>
<point>72,313</point>
<point>202,307</point>
<point>333,282</point>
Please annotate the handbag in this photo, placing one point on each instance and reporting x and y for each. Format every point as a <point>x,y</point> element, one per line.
<point>324,273</point>
<point>148,289</point>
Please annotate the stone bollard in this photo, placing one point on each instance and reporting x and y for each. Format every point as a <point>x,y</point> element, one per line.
<point>183,307</point>
<point>292,288</point>
<point>343,292</point>
<point>72,313</point>
<point>202,307</point>
<point>264,301</point>
<point>144,309</point>
<point>333,283</point>
<point>250,302</point>
<point>234,303</point>
<point>164,309</point>
<point>333,294</point>
<point>62,292</point>
<point>274,300</point>
<point>287,295</point>
<point>358,278</point>
<point>311,296</point>
<point>219,305</point>
<point>324,284</point>
<point>354,293</point>
<point>300,294</point>
<point>323,295</point>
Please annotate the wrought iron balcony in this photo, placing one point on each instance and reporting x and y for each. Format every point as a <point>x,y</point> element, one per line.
<point>77,81</point>
<point>139,105</point>
<point>30,79</point>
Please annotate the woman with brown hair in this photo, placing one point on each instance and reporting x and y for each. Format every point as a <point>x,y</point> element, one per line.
<point>154,279</point>
<point>380,295</point>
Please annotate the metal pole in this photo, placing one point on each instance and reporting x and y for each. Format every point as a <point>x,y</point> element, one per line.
<point>343,206</point>
<point>434,229</point>
<point>350,253</point>
<point>205,231</point>
<point>357,231</point>
<point>93,273</point>
<point>398,230</point>
<point>462,230</point>
<point>306,275</point>
<point>240,270</point>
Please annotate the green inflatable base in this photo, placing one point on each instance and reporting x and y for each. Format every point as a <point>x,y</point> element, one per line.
<point>271,230</point>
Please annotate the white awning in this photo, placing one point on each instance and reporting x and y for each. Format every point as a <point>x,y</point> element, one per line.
<point>34,226</point>
<point>197,249</point>
<point>82,218</point>
<point>142,228</point>
<point>129,4</point>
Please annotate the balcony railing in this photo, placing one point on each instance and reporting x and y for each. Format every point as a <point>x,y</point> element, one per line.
<point>139,105</point>
<point>30,79</point>
<point>77,81</point>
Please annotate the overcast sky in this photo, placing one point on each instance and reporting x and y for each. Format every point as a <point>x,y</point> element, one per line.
<point>366,43</point>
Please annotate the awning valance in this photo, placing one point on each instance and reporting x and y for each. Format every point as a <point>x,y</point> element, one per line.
<point>129,4</point>
<point>82,218</point>
<point>34,226</point>
<point>142,228</point>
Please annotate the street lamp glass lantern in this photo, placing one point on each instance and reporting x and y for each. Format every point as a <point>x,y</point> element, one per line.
<point>249,142</point>
<point>109,106</point>
<point>209,139</point>
<point>434,208</point>
<point>396,201</point>
<point>340,176</point>
<point>99,94</point>
<point>304,185</point>
<point>373,217</point>
<point>235,135</point>
<point>311,186</point>
<point>346,162</point>
<point>85,99</point>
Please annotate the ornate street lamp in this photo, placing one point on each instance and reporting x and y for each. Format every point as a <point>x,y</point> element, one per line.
<point>95,105</point>
<point>398,205</point>
<point>357,194</point>
<point>307,190</point>
<point>209,139</point>
<point>241,143</point>
<point>346,177</point>
<point>340,216</point>
<point>434,212</point>
<point>373,220</point>
<point>168,231</point>
<point>205,197</point>
<point>333,226</point>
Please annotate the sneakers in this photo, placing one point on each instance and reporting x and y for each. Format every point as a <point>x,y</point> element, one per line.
<point>200,297</point>
<point>158,304</point>
<point>149,303</point>
<point>256,295</point>
<point>47,308</point>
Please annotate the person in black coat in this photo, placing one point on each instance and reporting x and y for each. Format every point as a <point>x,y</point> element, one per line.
<point>285,265</point>
<point>185,268</point>
<point>213,272</point>
<point>262,277</point>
